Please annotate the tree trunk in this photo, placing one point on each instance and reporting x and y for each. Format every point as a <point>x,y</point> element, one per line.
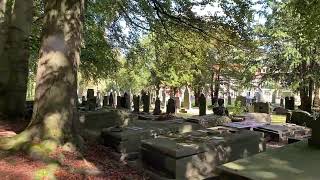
<point>212,89</point>
<point>316,98</point>
<point>55,109</point>
<point>196,96</point>
<point>17,50</point>
<point>216,88</point>
<point>5,14</point>
<point>306,97</point>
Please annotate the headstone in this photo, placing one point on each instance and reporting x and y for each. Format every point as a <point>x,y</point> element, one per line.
<point>146,102</point>
<point>314,141</point>
<point>127,103</point>
<point>242,100</point>
<point>105,101</point>
<point>302,118</point>
<point>202,105</point>
<point>289,103</point>
<point>260,107</point>
<point>90,93</point>
<point>136,103</point>
<point>118,101</point>
<point>281,102</point>
<point>171,106</point>
<point>274,97</point>
<point>186,99</point>
<point>220,110</point>
<point>91,100</point>
<point>111,101</point>
<point>197,154</point>
<point>157,108</point>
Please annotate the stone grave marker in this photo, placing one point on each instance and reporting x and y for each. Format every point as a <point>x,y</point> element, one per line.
<point>202,105</point>
<point>196,155</point>
<point>127,103</point>
<point>157,107</point>
<point>91,100</point>
<point>314,141</point>
<point>261,107</point>
<point>111,100</point>
<point>220,110</point>
<point>289,103</point>
<point>186,99</point>
<point>105,101</point>
<point>171,106</point>
<point>119,101</point>
<point>136,103</point>
<point>127,140</point>
<point>242,100</point>
<point>146,102</point>
<point>301,118</point>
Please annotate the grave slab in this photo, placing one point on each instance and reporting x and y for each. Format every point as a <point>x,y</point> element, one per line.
<point>295,162</point>
<point>196,155</point>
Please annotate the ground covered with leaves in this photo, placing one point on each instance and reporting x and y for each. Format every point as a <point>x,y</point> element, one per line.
<point>96,162</point>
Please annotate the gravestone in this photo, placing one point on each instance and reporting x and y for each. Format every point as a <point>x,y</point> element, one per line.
<point>91,100</point>
<point>202,105</point>
<point>220,110</point>
<point>118,101</point>
<point>302,118</point>
<point>274,97</point>
<point>157,108</point>
<point>127,103</point>
<point>105,101</point>
<point>314,141</point>
<point>242,100</point>
<point>196,155</point>
<point>281,102</point>
<point>136,103</point>
<point>127,140</point>
<point>261,107</point>
<point>289,103</point>
<point>171,106</point>
<point>111,101</point>
<point>146,102</point>
<point>186,99</point>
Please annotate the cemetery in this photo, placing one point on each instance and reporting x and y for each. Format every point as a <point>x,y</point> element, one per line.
<point>159,90</point>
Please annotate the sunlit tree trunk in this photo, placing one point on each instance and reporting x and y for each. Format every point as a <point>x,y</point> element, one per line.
<point>316,98</point>
<point>55,110</point>
<point>17,50</point>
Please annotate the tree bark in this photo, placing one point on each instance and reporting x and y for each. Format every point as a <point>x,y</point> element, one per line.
<point>196,96</point>
<point>212,89</point>
<point>55,117</point>
<point>316,98</point>
<point>17,50</point>
<point>306,97</point>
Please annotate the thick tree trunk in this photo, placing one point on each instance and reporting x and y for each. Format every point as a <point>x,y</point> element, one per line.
<point>17,50</point>
<point>5,13</point>
<point>216,88</point>
<point>55,118</point>
<point>196,96</point>
<point>306,97</point>
<point>212,89</point>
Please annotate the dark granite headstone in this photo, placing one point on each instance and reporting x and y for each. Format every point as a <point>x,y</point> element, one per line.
<point>171,106</point>
<point>136,103</point>
<point>146,102</point>
<point>220,110</point>
<point>202,105</point>
<point>119,101</point>
<point>157,108</point>
<point>281,102</point>
<point>289,103</point>
<point>105,101</point>
<point>90,94</point>
<point>314,141</point>
<point>111,101</point>
<point>302,118</point>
